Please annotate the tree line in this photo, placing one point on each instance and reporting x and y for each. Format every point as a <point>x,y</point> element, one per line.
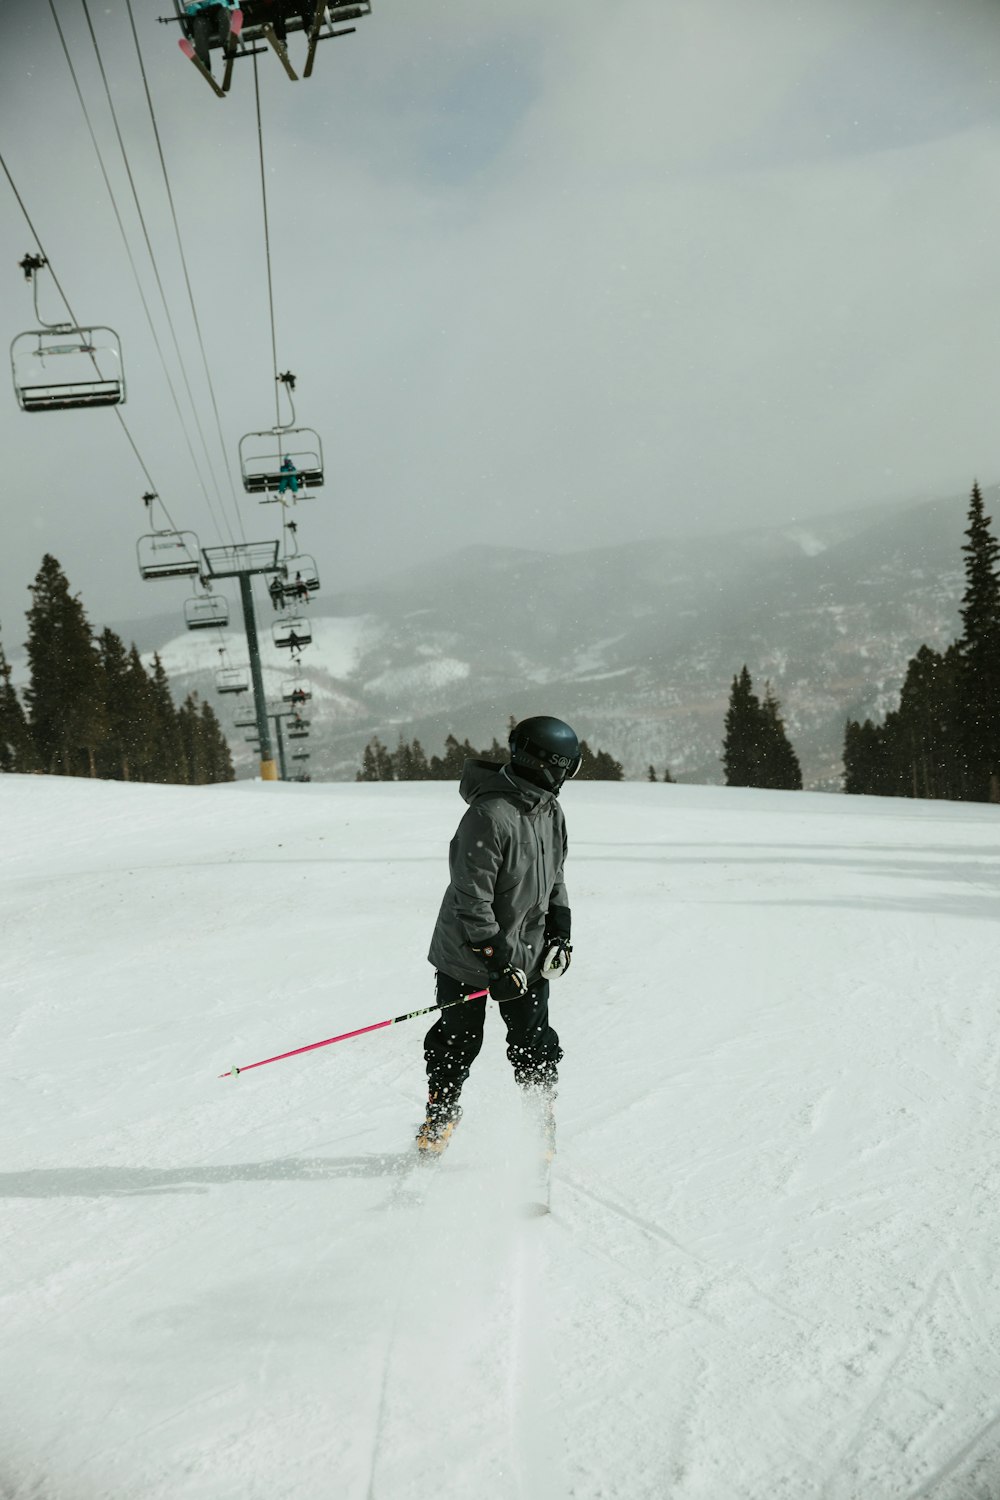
<point>92,709</point>
<point>409,761</point>
<point>943,741</point>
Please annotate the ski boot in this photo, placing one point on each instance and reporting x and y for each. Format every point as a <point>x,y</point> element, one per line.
<point>443,1114</point>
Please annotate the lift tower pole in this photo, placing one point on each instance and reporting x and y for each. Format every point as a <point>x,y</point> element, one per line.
<point>243,560</point>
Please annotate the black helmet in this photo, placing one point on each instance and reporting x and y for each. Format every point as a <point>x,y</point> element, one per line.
<point>547,747</point>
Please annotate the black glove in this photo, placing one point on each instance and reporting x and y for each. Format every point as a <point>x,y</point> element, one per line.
<point>505,982</point>
<point>557,950</point>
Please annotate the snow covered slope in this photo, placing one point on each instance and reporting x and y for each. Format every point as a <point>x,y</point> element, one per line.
<point>771,1272</point>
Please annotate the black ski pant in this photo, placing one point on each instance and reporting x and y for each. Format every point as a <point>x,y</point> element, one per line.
<point>209,27</point>
<point>454,1041</point>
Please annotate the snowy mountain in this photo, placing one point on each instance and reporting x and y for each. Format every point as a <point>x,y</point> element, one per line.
<point>770,1272</point>
<point>636,644</point>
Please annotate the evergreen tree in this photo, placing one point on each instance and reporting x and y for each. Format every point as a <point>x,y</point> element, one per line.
<point>17,752</point>
<point>778,765</point>
<point>741,745</point>
<point>192,746</point>
<point>126,699</point>
<point>66,695</point>
<point>651,774</point>
<point>402,761</point>
<point>217,752</point>
<point>598,765</point>
<point>167,762</point>
<point>369,764</point>
<point>756,750</point>
<point>139,743</point>
<point>979,647</point>
<point>419,769</point>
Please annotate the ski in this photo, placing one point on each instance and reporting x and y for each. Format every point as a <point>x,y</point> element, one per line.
<point>188,49</point>
<point>314,32</point>
<point>235,27</point>
<point>270,35</point>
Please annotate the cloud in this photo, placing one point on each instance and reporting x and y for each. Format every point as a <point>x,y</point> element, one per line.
<point>547,275</point>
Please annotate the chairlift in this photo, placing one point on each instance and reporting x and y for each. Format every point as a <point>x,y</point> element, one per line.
<point>292,632</point>
<point>206,610</point>
<point>262,21</point>
<point>245,718</point>
<point>64,367</point>
<point>283,461</point>
<point>232,680</point>
<point>296,692</point>
<point>300,576</point>
<point>300,755</point>
<point>298,734</point>
<point>169,554</point>
<point>57,366</point>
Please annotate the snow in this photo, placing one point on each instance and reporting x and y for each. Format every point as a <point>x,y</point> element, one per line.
<point>421,677</point>
<point>771,1269</point>
<point>338,642</point>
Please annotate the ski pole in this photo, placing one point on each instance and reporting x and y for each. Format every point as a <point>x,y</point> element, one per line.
<point>344,1036</point>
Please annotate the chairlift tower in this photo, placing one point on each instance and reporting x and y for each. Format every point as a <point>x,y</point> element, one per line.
<point>242,561</point>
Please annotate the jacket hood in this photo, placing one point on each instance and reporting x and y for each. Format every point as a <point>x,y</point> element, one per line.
<point>487,778</point>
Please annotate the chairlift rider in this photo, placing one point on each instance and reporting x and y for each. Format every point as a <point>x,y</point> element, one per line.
<point>289,476</point>
<point>210,24</point>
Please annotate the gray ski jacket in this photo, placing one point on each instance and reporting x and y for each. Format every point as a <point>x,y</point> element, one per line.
<point>506,863</point>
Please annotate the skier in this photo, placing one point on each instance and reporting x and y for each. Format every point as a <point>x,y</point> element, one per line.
<point>277,592</point>
<point>504,924</point>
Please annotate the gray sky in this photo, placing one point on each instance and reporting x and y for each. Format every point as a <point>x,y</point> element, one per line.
<point>549,275</point>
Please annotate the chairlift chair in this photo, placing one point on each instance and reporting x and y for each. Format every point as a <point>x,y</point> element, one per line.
<point>169,554</point>
<point>263,453</point>
<point>206,610</point>
<point>296,692</point>
<point>298,734</point>
<point>292,631</point>
<point>300,755</point>
<point>245,718</point>
<point>268,21</point>
<point>232,680</point>
<point>56,369</point>
<point>299,572</point>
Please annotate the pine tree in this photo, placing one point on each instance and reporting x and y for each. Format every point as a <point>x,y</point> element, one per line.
<point>218,756</point>
<point>66,695</point>
<point>979,646</point>
<point>167,763</point>
<point>778,765</point>
<point>17,752</point>
<point>651,774</point>
<point>139,743</point>
<point>419,769</point>
<point>741,745</point>
<point>126,697</point>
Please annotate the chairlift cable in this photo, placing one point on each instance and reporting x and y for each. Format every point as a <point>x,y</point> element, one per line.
<point>131,258</point>
<point>38,242</point>
<point>184,266</point>
<point>153,261</point>
<point>73,318</point>
<point>267,242</point>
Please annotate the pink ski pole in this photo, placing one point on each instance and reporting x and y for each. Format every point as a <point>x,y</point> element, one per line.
<point>344,1036</point>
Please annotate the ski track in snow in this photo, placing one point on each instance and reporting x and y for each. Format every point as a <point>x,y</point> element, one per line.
<point>770,1270</point>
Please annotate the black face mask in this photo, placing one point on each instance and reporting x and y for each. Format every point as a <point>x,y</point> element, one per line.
<point>543,779</point>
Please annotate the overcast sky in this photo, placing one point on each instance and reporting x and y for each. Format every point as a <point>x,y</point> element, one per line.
<point>550,275</point>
